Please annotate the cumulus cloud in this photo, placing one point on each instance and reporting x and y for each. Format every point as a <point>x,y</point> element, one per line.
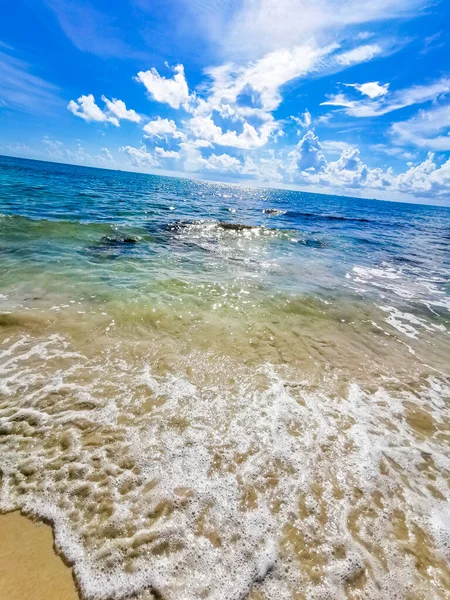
<point>173,92</point>
<point>350,173</point>
<point>140,157</point>
<point>205,128</point>
<point>426,178</point>
<point>224,163</point>
<point>307,166</point>
<point>245,94</point>
<point>116,110</point>
<point>308,155</point>
<point>55,148</point>
<point>86,108</point>
<point>161,152</point>
<point>161,128</point>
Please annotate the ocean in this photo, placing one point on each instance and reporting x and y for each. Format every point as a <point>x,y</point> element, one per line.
<point>222,392</point>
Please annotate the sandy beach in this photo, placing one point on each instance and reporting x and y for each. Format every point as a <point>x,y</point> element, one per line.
<point>29,567</point>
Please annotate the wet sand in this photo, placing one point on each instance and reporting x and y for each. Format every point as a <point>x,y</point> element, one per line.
<point>29,567</point>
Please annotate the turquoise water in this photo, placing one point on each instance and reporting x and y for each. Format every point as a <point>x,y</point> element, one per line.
<point>216,391</point>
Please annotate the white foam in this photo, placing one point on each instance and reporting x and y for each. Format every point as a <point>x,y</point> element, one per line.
<point>207,489</point>
<point>405,321</point>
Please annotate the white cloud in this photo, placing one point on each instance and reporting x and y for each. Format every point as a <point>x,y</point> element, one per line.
<point>56,150</point>
<point>387,103</point>
<point>303,121</point>
<point>106,156</point>
<point>308,154</point>
<point>358,55</point>
<point>307,166</point>
<point>91,30</point>
<point>373,89</point>
<point>265,77</point>
<point>22,90</point>
<point>117,108</point>
<point>17,149</point>
<point>199,143</point>
<point>349,172</point>
<point>86,108</point>
<point>334,147</point>
<point>428,129</point>
<point>255,28</point>
<point>193,159</point>
<point>393,151</point>
<point>243,92</point>
<point>268,44</point>
<point>266,168</point>
<point>174,92</point>
<point>205,128</point>
<point>426,178</point>
<point>161,152</point>
<point>339,100</point>
<point>247,94</point>
<point>162,127</point>
<point>224,163</point>
<point>139,157</point>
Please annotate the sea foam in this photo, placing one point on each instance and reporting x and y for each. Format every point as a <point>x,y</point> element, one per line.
<point>213,479</point>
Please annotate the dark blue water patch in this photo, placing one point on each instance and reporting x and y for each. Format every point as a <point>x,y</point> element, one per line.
<point>406,260</point>
<point>367,241</point>
<point>90,195</point>
<point>112,247</point>
<point>308,215</point>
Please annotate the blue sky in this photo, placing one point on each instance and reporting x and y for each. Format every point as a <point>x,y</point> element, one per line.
<point>335,96</point>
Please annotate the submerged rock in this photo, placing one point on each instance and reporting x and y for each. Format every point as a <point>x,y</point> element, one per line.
<point>235,226</point>
<point>113,246</point>
<point>118,240</point>
<point>273,211</point>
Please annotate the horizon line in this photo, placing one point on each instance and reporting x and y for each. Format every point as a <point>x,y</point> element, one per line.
<point>243,184</point>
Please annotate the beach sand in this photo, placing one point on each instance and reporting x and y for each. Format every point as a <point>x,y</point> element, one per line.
<point>29,567</point>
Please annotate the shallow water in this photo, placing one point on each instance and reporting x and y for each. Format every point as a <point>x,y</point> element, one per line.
<point>218,392</point>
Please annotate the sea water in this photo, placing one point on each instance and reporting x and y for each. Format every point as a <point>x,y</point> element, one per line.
<point>220,392</point>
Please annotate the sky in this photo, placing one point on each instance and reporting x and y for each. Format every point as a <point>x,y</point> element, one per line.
<point>332,96</point>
